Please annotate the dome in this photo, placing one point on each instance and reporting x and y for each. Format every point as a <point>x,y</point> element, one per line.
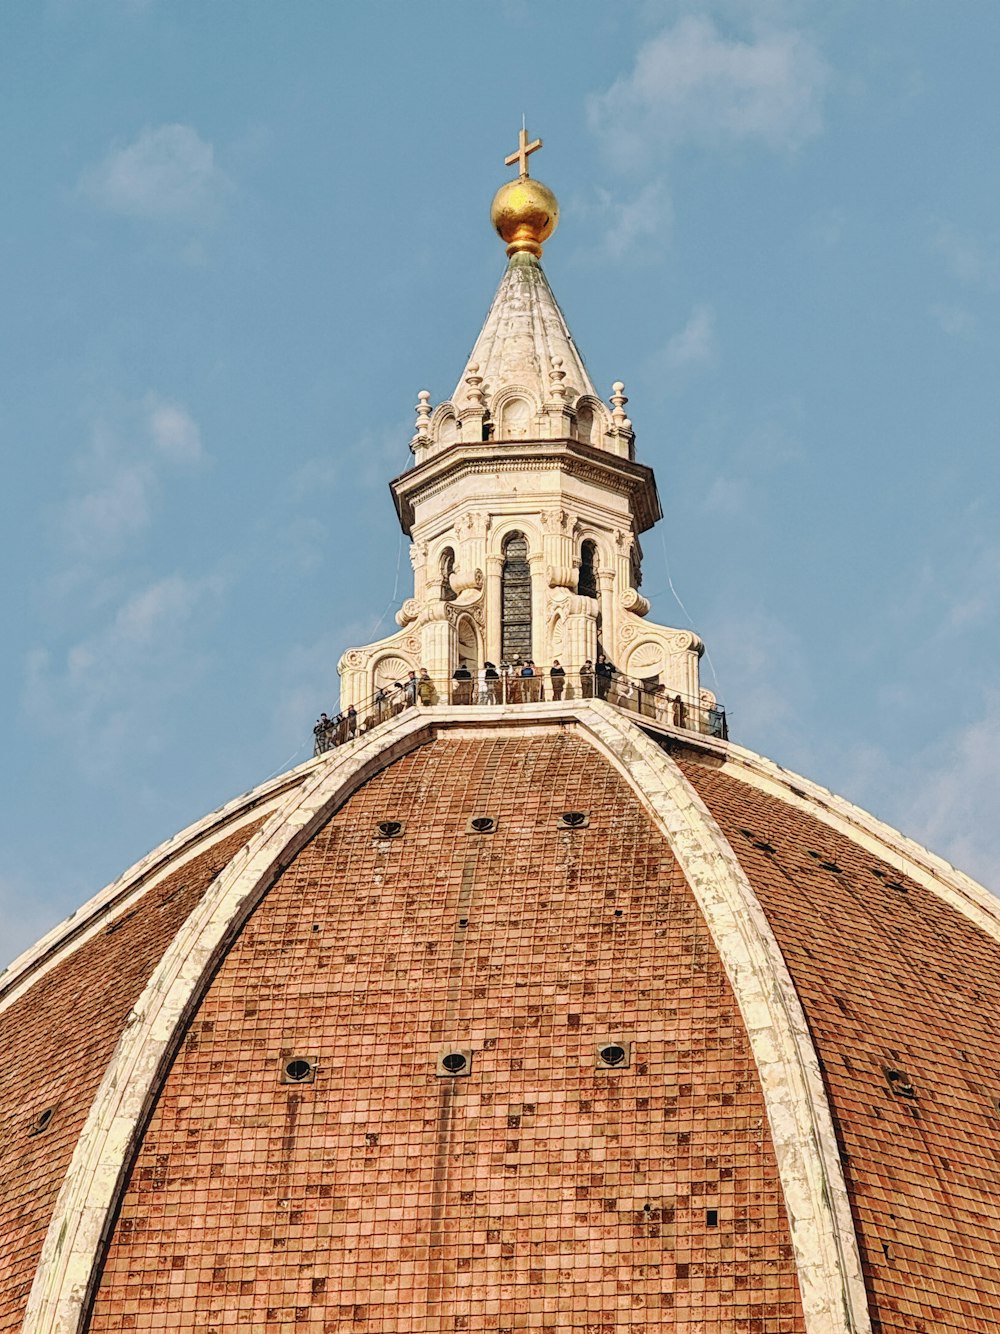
<point>726,1039</point>
<point>532,1001</point>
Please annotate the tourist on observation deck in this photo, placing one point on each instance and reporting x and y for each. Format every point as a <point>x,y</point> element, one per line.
<point>482,686</point>
<point>557,675</point>
<point>425,688</point>
<point>462,687</point>
<point>604,672</point>
<point>587,680</point>
<point>381,702</point>
<point>492,683</point>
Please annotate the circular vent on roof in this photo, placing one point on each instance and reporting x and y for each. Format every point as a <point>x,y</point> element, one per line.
<point>574,820</point>
<point>454,1061</point>
<point>298,1070</point>
<point>42,1121</point>
<point>612,1053</point>
<point>390,828</point>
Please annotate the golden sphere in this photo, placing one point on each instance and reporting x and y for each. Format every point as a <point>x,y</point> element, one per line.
<point>525,213</point>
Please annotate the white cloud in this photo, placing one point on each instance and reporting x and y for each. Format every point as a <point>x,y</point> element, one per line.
<point>167,174</point>
<point>736,487</point>
<point>104,694</point>
<point>28,909</point>
<point>955,321</point>
<point>629,222</point>
<point>694,345</point>
<point>973,261</point>
<point>119,474</point>
<point>766,684</point>
<point>174,432</point>
<point>949,797</point>
<point>693,84</point>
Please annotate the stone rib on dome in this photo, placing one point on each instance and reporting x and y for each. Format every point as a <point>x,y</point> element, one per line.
<point>523,331</point>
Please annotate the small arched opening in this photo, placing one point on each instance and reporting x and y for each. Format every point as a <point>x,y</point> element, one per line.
<point>447,566</point>
<point>585,424</point>
<point>587,582</point>
<point>467,644</point>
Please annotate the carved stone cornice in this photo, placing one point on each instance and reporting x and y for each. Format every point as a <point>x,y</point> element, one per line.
<point>586,462</point>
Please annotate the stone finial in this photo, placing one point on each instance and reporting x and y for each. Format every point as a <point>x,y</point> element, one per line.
<point>618,401</point>
<point>474,385</point>
<point>556,377</point>
<point>422,427</point>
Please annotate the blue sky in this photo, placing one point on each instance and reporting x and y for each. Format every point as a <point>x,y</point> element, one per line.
<point>238,238</point>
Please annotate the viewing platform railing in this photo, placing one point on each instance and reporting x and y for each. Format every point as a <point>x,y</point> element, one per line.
<point>648,700</point>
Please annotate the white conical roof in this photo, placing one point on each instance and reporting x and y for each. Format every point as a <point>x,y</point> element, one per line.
<point>523,331</point>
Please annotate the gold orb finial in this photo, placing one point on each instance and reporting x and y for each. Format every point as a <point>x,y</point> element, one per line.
<point>524,212</point>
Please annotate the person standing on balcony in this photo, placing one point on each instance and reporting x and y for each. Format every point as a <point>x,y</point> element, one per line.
<point>462,691</point>
<point>410,689</point>
<point>425,688</point>
<point>587,680</point>
<point>381,701</point>
<point>528,687</point>
<point>492,683</point>
<point>482,687</point>
<point>603,672</point>
<point>557,675</point>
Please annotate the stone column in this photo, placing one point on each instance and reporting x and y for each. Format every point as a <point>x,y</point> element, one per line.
<point>540,648</point>
<point>606,582</point>
<point>579,637</point>
<point>435,648</point>
<point>418,559</point>
<point>493,597</point>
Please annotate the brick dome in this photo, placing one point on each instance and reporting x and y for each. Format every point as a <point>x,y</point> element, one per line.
<point>722,1047</point>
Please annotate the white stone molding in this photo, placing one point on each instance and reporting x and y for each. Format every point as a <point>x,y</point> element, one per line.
<point>802,1132</point>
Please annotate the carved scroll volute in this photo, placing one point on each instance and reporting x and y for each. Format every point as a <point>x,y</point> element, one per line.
<point>633,601</point>
<point>408,612</point>
<point>562,576</point>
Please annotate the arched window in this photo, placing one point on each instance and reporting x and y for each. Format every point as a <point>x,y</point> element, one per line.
<point>447,566</point>
<point>587,584</point>
<point>515,639</point>
<point>467,643</point>
<point>585,424</point>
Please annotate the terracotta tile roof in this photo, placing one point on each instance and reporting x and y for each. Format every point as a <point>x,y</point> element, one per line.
<point>57,1039</point>
<point>542,1190</point>
<point>902,995</point>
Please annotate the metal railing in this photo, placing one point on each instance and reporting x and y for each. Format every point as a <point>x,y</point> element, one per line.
<point>648,700</point>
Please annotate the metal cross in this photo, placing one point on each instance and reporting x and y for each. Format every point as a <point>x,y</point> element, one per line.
<point>523,150</point>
